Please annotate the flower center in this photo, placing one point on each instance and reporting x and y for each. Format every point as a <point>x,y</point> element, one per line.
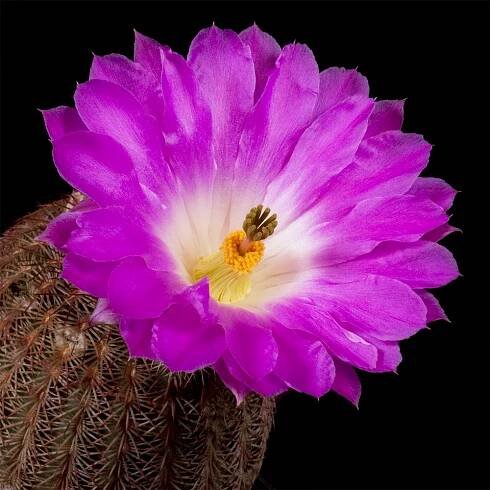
<point>229,269</point>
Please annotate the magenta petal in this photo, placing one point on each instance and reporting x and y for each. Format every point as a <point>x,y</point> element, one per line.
<point>347,382</point>
<point>89,276</point>
<point>58,231</point>
<point>440,232</point>
<point>62,120</point>
<point>434,309</point>
<point>250,342</point>
<point>386,116</point>
<point>137,292</point>
<point>385,165</point>
<point>239,389</point>
<point>103,314</point>
<point>268,385</point>
<point>389,355</point>
<point>137,334</point>
<point>422,264</point>
<point>364,306</point>
<point>186,123</point>
<point>131,76</point>
<point>336,84</point>
<point>186,337</point>
<point>109,109</point>
<point>434,189</point>
<point>224,69</point>
<point>401,218</point>
<point>97,166</point>
<point>265,51</point>
<point>113,233</point>
<point>323,150</point>
<point>303,363</point>
<point>147,53</point>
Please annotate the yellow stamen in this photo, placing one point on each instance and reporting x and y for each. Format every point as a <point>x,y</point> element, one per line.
<point>228,270</point>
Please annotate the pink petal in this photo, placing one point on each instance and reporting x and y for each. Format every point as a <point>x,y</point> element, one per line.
<point>136,292</point>
<point>225,72</point>
<point>147,53</point>
<point>239,389</point>
<point>186,337</point>
<point>274,126</point>
<point>265,51</point>
<point>434,189</point>
<point>58,231</point>
<point>97,166</point>
<point>131,76</point>
<point>268,385</point>
<point>186,123</point>
<point>364,305</point>
<point>323,150</point>
<point>112,233</point>
<point>387,116</point>
<point>109,109</point>
<point>422,264</point>
<point>103,314</point>
<point>434,309</point>
<point>385,165</point>
<point>337,84</point>
<point>303,363</point>
<point>440,232</point>
<point>137,334</point>
<point>401,218</point>
<point>250,343</point>
<point>347,382</point>
<point>62,120</point>
<point>89,276</point>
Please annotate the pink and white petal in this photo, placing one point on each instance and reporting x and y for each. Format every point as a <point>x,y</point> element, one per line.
<point>325,148</point>
<point>103,313</point>
<point>86,274</point>
<point>386,116</point>
<point>422,264</point>
<point>239,389</point>
<point>337,84</point>
<point>385,165</point>
<point>268,385</point>
<point>270,132</point>
<point>249,341</point>
<point>186,124</point>
<point>440,232</point>
<point>62,120</point>
<point>112,233</point>
<point>137,292</point>
<point>400,218</point>
<point>346,382</point>
<point>303,362</point>
<point>137,335</point>
<point>98,166</point>
<point>109,109</point>
<point>186,337</point>
<point>131,76</point>
<point>364,306</point>
<point>265,51</point>
<point>224,70</point>
<point>434,189</point>
<point>434,309</point>
<point>147,53</point>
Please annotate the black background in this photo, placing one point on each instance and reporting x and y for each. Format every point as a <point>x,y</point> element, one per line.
<point>427,427</point>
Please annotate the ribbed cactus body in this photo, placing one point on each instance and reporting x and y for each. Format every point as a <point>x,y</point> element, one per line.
<point>77,413</point>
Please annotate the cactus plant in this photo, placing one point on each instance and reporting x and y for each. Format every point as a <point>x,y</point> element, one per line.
<point>76,412</point>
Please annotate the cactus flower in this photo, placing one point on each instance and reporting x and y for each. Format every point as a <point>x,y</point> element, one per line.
<point>247,212</point>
